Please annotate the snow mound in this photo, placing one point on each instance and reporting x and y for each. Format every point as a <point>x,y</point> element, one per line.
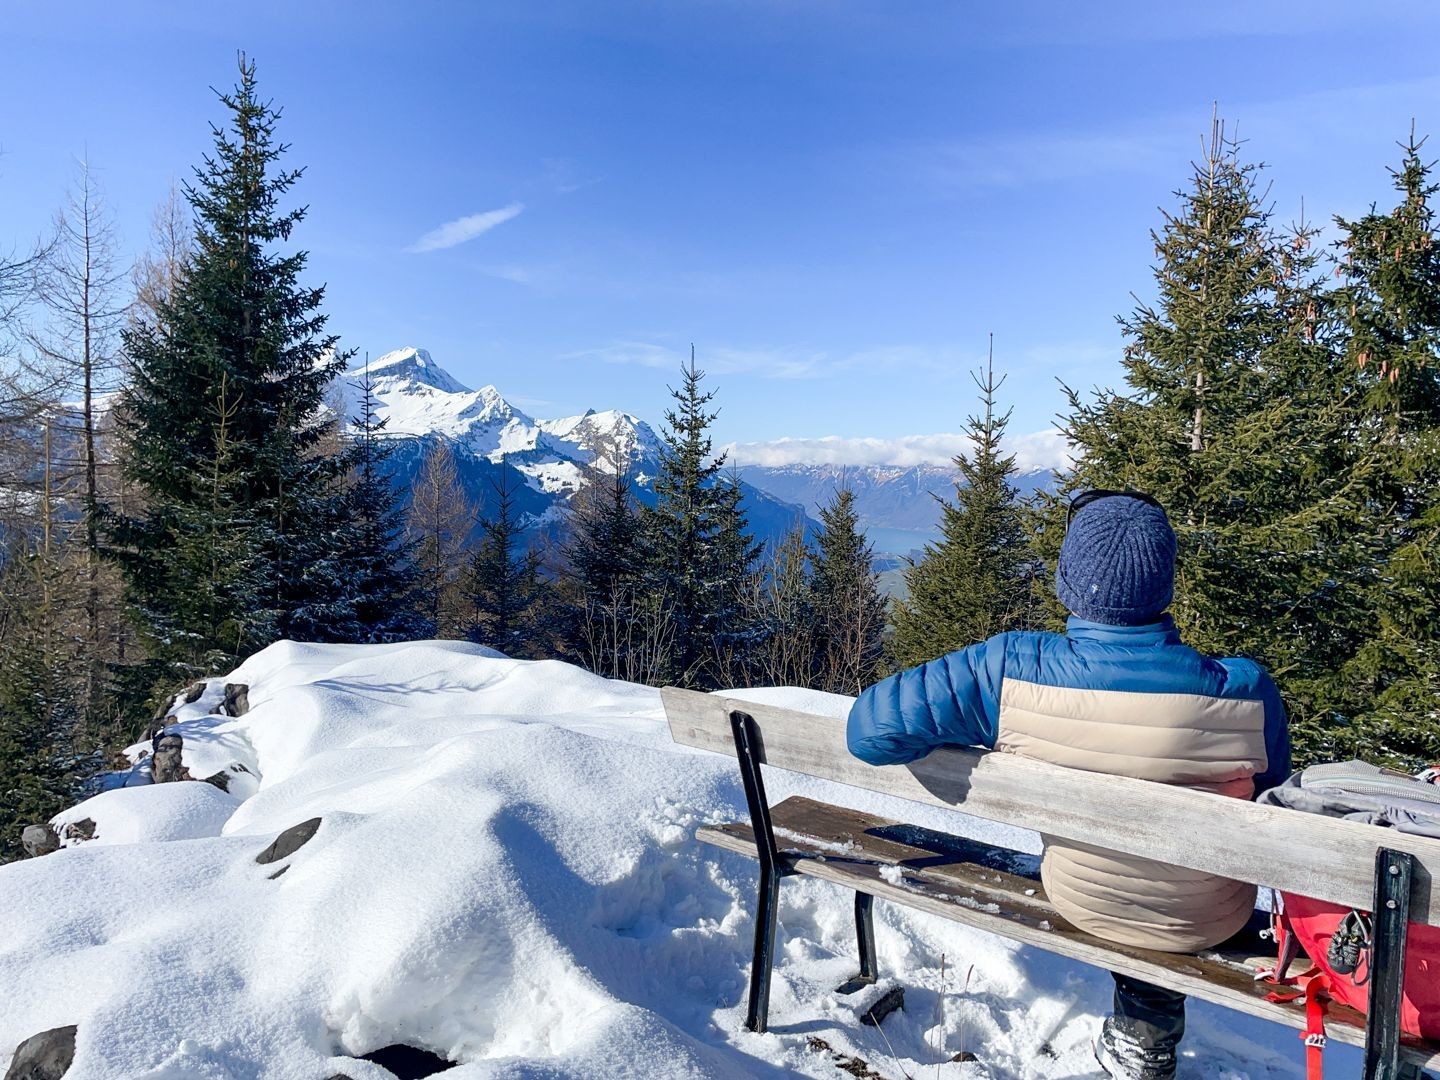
<point>151,814</point>
<point>504,874</point>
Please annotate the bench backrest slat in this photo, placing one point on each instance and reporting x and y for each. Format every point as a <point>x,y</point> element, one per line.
<point>1316,856</point>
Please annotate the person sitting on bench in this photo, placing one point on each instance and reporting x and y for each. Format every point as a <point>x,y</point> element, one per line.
<point>1117,693</point>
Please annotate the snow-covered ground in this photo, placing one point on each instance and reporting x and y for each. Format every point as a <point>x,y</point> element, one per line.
<point>505,874</point>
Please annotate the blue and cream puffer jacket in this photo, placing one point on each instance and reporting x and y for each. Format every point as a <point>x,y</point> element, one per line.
<point>1125,700</point>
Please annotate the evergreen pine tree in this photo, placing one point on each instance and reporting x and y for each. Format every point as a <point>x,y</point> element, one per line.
<point>977,580</point>
<point>736,635</point>
<point>237,326</point>
<point>699,552</point>
<point>40,674</point>
<point>509,597</point>
<point>849,608</point>
<point>1390,298</point>
<point>371,597</point>
<point>1238,418</point>
<point>604,558</point>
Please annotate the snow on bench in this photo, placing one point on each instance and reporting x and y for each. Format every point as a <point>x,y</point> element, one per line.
<point>1343,862</point>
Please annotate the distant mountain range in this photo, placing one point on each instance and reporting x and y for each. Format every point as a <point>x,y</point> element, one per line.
<point>545,462</point>
<point>898,506</point>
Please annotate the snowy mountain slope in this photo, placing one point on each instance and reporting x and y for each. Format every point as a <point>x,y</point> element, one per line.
<point>545,462</point>
<point>416,397</point>
<point>505,874</point>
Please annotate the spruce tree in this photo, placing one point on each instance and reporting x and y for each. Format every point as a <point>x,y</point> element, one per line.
<point>239,335</point>
<point>1390,298</point>
<point>849,608</point>
<point>508,596</point>
<point>1238,417</point>
<point>736,635</point>
<point>369,596</point>
<point>41,674</point>
<point>977,580</point>
<point>604,559</point>
<point>699,551</point>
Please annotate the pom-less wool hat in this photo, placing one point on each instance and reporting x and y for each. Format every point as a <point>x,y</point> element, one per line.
<point>1117,564</point>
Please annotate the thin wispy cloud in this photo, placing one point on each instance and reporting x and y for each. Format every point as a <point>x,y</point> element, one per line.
<point>464,229</point>
<point>1160,143</point>
<point>781,362</point>
<point>1037,450</point>
<point>518,275</point>
<point>795,362</point>
<point>791,362</point>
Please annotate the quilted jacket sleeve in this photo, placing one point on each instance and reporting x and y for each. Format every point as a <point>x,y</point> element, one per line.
<point>1277,737</point>
<point>954,700</point>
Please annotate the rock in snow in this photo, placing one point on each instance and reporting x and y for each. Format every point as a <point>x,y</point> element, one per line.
<point>237,700</point>
<point>167,762</point>
<point>39,840</point>
<point>46,1056</point>
<point>289,842</point>
<point>506,877</point>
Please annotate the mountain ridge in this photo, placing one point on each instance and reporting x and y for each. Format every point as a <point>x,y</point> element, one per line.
<point>543,462</point>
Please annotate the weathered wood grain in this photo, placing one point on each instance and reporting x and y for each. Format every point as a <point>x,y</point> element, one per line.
<point>850,848</point>
<point>1304,853</point>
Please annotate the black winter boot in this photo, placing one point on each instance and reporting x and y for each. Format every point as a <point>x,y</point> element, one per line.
<point>1140,1041</point>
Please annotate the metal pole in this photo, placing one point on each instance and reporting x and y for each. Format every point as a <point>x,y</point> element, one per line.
<point>1393,872</point>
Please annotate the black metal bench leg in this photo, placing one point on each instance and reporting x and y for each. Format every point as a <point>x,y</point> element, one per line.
<point>1393,872</point>
<point>865,941</point>
<point>763,961</point>
<point>750,751</point>
<point>865,935</point>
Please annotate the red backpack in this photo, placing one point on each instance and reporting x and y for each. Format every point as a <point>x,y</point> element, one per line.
<point>1337,939</point>
<point>1312,925</point>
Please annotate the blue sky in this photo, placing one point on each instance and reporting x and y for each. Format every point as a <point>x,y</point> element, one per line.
<point>836,202</point>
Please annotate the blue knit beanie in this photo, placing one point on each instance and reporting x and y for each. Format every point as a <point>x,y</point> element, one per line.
<point>1117,564</point>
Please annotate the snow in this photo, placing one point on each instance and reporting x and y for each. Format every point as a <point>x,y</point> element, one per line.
<point>152,814</point>
<point>505,874</point>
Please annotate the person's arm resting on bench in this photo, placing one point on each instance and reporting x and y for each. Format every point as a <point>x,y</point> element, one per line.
<point>952,701</point>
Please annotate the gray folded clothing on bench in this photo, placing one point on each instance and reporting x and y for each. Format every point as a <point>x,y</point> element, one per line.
<point>1359,791</point>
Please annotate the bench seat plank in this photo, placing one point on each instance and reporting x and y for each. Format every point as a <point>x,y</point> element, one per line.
<point>994,890</point>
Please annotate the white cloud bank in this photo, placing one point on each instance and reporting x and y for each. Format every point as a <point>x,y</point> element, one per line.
<point>466,228</point>
<point>1038,450</point>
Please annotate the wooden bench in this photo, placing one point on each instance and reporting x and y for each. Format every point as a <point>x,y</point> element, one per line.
<point>1359,866</point>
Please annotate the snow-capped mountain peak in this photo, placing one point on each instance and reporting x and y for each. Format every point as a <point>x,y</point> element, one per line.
<point>409,369</point>
<point>419,401</point>
<point>488,406</point>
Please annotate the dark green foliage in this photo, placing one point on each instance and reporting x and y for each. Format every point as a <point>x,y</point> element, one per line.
<point>978,580</point>
<point>1390,299</point>
<point>510,600</point>
<point>604,561</point>
<point>370,592</point>
<point>737,558</point>
<point>700,556</point>
<point>41,675</point>
<point>849,611</point>
<point>1240,417</point>
<point>223,416</point>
